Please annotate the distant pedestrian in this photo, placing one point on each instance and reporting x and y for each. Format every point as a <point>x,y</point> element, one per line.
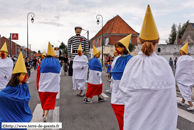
<point>175,61</point>
<point>109,70</point>
<point>27,63</point>
<point>171,62</point>
<point>65,61</point>
<point>34,62</point>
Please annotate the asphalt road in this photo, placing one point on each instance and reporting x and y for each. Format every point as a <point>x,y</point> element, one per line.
<point>75,115</point>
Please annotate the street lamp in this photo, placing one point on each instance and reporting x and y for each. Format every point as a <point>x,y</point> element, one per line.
<point>32,20</point>
<point>98,17</point>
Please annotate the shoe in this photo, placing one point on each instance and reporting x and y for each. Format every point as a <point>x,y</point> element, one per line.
<point>101,99</point>
<point>44,119</point>
<point>87,101</point>
<point>190,108</point>
<point>180,103</point>
<point>108,91</point>
<point>27,82</point>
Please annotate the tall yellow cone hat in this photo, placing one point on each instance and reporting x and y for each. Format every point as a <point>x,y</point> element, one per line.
<point>20,66</point>
<point>149,30</point>
<point>125,41</point>
<point>184,48</point>
<point>44,53</point>
<point>80,47</point>
<point>95,51</point>
<point>50,50</point>
<point>4,47</point>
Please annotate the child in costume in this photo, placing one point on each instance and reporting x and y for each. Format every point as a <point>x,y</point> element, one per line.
<point>49,81</point>
<point>15,97</point>
<point>80,67</point>
<point>185,76</point>
<point>95,80</point>
<point>117,98</point>
<point>148,85</point>
<point>6,67</point>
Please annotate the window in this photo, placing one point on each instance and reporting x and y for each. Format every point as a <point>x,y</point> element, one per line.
<point>99,41</point>
<point>106,39</point>
<point>96,43</point>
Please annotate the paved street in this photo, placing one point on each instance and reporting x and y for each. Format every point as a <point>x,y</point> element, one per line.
<point>75,115</point>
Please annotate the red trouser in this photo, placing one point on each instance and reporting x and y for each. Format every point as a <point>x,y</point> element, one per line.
<point>119,113</point>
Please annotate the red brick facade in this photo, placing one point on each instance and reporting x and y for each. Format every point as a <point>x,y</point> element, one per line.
<point>115,29</point>
<point>15,48</point>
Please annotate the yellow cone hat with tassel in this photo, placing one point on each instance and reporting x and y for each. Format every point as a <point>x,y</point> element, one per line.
<point>80,47</point>
<point>125,41</point>
<point>95,50</point>
<point>51,51</point>
<point>44,53</point>
<point>4,47</point>
<point>185,48</point>
<point>20,66</point>
<point>149,30</point>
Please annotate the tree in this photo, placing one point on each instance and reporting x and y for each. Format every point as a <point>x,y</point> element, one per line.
<point>180,31</point>
<point>63,48</point>
<point>131,47</point>
<point>183,28</point>
<point>172,36</point>
<point>34,52</point>
<point>39,51</point>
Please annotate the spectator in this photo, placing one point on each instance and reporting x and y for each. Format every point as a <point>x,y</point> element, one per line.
<point>189,54</point>
<point>34,62</point>
<point>175,62</point>
<point>171,62</point>
<point>106,64</point>
<point>27,63</point>
<point>109,70</point>
<point>65,61</point>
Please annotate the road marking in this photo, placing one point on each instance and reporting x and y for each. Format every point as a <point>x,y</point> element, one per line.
<point>188,116</point>
<point>37,114</point>
<point>104,95</point>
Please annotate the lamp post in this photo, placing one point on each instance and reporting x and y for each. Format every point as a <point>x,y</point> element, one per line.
<point>98,17</point>
<point>32,20</point>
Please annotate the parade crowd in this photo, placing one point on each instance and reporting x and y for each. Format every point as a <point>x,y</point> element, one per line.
<point>143,87</point>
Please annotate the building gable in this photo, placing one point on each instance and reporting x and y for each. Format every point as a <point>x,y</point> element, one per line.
<point>188,34</point>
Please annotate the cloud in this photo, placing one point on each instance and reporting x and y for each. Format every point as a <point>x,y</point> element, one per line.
<point>52,23</point>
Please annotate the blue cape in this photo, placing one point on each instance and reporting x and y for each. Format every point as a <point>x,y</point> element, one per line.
<point>14,104</point>
<point>119,66</point>
<point>94,64</point>
<point>50,64</point>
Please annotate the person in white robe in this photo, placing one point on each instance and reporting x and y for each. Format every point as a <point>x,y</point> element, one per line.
<point>148,85</point>
<point>116,56</point>
<point>80,71</point>
<point>6,67</point>
<point>185,76</point>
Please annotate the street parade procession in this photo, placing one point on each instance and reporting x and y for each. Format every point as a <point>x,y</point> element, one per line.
<point>141,95</point>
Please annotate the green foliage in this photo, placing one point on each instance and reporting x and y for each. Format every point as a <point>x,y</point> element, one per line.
<point>131,47</point>
<point>174,31</point>
<point>34,52</point>
<point>172,36</point>
<point>39,51</point>
<point>63,48</point>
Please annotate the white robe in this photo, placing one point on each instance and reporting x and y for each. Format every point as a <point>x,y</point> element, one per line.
<point>185,76</point>
<point>149,92</point>
<point>112,66</point>
<point>6,68</point>
<point>79,75</point>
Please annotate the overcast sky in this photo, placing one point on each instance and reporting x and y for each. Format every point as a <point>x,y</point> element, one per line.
<point>55,19</point>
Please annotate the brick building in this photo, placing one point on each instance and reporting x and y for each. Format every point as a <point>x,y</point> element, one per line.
<point>15,48</point>
<point>114,30</point>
